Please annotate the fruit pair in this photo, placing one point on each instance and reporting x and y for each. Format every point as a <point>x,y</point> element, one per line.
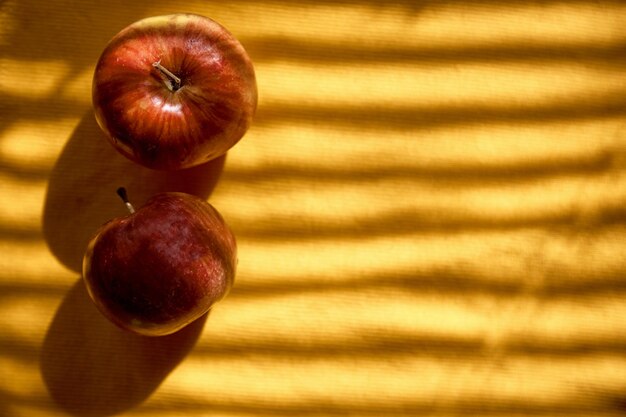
<point>170,92</point>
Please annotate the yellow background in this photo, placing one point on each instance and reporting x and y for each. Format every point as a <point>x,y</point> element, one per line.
<point>430,210</point>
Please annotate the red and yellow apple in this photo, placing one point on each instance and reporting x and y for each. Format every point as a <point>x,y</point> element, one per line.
<point>174,91</point>
<point>161,267</point>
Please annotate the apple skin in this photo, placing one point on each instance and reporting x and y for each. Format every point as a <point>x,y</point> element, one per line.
<point>160,268</point>
<point>154,123</point>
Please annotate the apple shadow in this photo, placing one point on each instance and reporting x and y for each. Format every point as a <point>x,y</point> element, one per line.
<point>81,194</point>
<point>93,368</point>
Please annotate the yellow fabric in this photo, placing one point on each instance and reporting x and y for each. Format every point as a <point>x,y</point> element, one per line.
<point>430,210</point>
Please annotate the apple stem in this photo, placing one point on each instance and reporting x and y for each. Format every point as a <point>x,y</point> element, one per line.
<point>122,193</point>
<point>172,77</point>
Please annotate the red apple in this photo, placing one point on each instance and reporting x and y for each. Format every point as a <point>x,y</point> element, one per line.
<point>161,267</point>
<point>174,91</point>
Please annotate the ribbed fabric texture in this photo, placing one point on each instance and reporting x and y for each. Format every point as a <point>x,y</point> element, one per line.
<point>430,211</point>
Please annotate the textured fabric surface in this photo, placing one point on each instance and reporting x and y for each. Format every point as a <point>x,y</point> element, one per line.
<point>430,210</point>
